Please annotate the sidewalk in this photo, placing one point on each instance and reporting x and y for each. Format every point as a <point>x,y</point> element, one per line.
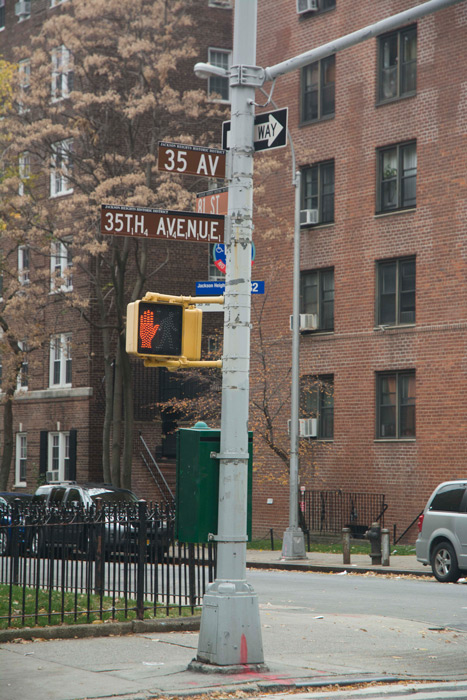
<point>151,662</point>
<point>333,563</point>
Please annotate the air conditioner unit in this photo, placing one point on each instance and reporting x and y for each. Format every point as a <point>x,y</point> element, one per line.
<point>307,427</point>
<point>306,6</point>
<point>23,8</point>
<point>308,217</point>
<point>51,476</point>
<point>307,322</point>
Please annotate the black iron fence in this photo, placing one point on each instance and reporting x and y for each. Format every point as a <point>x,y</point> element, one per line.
<point>113,562</point>
<point>327,512</point>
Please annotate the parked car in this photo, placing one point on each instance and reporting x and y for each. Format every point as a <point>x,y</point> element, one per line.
<point>442,538</point>
<point>7,501</point>
<point>74,505</point>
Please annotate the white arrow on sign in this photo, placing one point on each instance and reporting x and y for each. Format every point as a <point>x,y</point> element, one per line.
<point>269,131</point>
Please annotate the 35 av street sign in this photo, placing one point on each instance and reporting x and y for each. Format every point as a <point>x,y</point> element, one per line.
<point>143,222</point>
<point>270,130</point>
<point>191,160</point>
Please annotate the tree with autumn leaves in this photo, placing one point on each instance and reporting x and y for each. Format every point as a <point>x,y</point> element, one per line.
<point>98,88</point>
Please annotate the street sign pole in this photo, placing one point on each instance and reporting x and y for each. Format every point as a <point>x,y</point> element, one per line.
<point>230,633</point>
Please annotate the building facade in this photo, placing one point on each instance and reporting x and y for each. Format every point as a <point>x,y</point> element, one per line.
<point>58,409</point>
<point>380,137</point>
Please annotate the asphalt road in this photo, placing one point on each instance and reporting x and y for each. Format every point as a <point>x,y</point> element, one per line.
<point>344,623</point>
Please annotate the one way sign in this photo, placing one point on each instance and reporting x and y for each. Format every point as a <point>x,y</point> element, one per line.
<point>270,130</point>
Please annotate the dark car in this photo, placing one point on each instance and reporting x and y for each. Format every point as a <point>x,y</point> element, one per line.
<point>11,507</point>
<point>80,508</point>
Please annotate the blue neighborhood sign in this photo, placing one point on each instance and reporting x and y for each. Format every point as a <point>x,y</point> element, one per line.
<point>216,287</point>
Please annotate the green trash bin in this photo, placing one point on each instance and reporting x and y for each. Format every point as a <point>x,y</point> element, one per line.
<point>198,483</point>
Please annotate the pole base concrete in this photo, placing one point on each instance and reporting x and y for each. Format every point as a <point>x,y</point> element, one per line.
<point>201,667</point>
<point>230,632</point>
<point>293,544</point>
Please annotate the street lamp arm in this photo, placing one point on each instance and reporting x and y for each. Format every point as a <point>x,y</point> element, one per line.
<point>357,37</point>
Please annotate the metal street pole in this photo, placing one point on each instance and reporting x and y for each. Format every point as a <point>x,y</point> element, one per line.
<point>230,633</point>
<point>293,543</point>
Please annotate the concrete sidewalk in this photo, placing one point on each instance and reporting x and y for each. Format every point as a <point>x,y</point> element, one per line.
<point>153,662</point>
<point>333,563</point>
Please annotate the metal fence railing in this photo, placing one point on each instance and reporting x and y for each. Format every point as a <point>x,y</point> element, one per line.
<point>327,512</point>
<point>71,564</point>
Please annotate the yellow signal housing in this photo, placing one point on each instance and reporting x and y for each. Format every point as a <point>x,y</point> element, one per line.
<point>165,330</point>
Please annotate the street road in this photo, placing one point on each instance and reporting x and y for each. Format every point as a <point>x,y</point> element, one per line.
<point>406,627</point>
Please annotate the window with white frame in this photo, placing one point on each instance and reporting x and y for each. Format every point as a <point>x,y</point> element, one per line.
<point>60,360</point>
<point>61,261</point>
<point>22,380</point>
<point>23,264</point>
<point>62,73</point>
<point>54,3</point>
<point>218,87</point>
<point>61,168</point>
<point>2,14</point>
<point>21,461</point>
<point>58,463</point>
<point>24,171</point>
<point>23,9</point>
<point>24,78</point>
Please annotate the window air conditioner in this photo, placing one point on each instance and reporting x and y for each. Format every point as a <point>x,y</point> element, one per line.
<point>307,427</point>
<point>306,6</point>
<point>23,8</point>
<point>307,322</point>
<point>308,217</point>
<point>51,476</point>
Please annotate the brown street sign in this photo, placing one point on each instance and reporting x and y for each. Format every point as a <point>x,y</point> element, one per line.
<point>191,160</point>
<point>143,222</point>
<point>213,201</point>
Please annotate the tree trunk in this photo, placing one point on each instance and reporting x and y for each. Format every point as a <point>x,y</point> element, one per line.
<point>7,454</point>
<point>117,420</point>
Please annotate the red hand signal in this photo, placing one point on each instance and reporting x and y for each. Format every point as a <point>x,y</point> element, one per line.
<point>147,329</point>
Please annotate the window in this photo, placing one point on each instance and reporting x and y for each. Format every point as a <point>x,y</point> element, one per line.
<point>58,466</point>
<point>318,192</point>
<point>61,262</point>
<point>397,64</point>
<point>60,360</point>
<point>317,401</point>
<point>24,171</point>
<point>218,87</point>
<point>62,73</point>
<point>61,168</point>
<point>317,297</point>
<point>397,177</point>
<point>317,90</point>
<point>396,405</point>
<point>449,498</point>
<point>225,4</point>
<point>54,3</point>
<point>2,14</point>
<point>21,458</point>
<point>23,9</point>
<point>396,292</point>
<point>24,78</point>
<point>23,264</point>
<point>22,380</point>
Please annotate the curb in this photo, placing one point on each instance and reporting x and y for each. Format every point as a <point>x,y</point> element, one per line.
<point>104,629</point>
<point>336,569</point>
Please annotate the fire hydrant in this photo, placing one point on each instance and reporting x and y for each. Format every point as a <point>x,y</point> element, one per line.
<point>374,535</point>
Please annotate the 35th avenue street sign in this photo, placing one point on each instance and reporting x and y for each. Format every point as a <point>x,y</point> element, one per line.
<point>191,160</point>
<point>270,130</point>
<point>143,222</point>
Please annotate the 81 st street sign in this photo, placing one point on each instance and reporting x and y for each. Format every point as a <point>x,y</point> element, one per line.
<point>143,222</point>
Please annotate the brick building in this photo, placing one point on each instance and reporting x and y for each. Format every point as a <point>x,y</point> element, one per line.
<point>59,406</point>
<point>380,136</point>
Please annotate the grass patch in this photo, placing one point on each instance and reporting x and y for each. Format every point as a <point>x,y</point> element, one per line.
<point>332,547</point>
<point>57,608</point>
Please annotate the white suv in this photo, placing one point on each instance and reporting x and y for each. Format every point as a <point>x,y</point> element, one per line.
<point>442,538</point>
